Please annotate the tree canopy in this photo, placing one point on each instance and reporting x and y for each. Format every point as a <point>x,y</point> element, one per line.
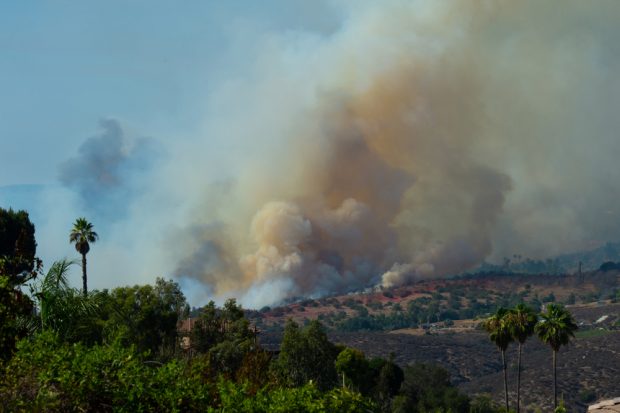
<point>18,264</point>
<point>306,355</point>
<point>17,246</point>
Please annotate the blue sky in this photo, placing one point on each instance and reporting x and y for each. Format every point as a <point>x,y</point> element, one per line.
<point>66,64</point>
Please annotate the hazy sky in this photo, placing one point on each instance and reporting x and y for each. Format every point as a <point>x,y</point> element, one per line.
<point>150,65</point>
<point>66,64</point>
<point>270,149</point>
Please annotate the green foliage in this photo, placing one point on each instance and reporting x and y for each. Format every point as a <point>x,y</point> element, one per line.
<point>499,329</point>
<point>484,404</point>
<point>561,408</point>
<point>521,321</point>
<point>306,355</point>
<point>14,306</point>
<point>308,398</point>
<point>145,316</point>
<point>460,303</point>
<point>556,326</point>
<point>18,265</point>
<point>379,322</point>
<point>427,388</point>
<point>225,335</point>
<point>387,379</point>
<point>592,332</point>
<point>82,235</point>
<point>17,246</point>
<point>215,326</point>
<point>48,375</point>
<point>587,396</point>
<point>63,309</point>
<point>352,363</point>
<point>254,369</point>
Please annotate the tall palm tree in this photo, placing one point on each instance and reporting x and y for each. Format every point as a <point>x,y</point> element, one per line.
<point>521,322</point>
<point>82,235</point>
<point>499,332</point>
<point>556,327</point>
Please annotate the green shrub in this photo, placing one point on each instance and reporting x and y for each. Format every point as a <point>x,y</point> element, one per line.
<point>46,375</point>
<point>236,398</point>
<point>587,396</point>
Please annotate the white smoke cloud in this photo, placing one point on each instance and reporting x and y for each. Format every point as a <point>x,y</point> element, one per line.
<point>416,140</point>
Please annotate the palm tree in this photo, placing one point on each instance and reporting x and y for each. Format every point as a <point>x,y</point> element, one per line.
<point>61,308</point>
<point>556,327</point>
<point>51,291</point>
<point>521,322</point>
<point>498,328</point>
<point>82,235</point>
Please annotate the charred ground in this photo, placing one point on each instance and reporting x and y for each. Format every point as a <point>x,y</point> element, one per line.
<point>437,321</point>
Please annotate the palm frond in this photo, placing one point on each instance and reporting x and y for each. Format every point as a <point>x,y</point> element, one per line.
<point>82,232</point>
<point>56,277</point>
<point>498,328</point>
<point>521,321</point>
<point>556,326</point>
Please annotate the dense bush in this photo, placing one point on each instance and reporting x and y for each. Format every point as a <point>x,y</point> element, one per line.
<point>18,265</point>
<point>427,388</point>
<point>307,398</point>
<point>48,375</point>
<point>306,355</point>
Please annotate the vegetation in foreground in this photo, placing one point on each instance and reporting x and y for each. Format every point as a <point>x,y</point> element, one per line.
<point>69,350</point>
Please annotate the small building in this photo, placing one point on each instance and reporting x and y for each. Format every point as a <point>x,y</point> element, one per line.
<point>184,330</point>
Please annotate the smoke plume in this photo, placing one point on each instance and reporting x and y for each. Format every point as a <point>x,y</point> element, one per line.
<point>105,173</point>
<point>425,136</point>
<point>417,139</point>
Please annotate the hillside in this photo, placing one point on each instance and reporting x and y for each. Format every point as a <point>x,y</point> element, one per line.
<point>439,301</point>
<point>587,368</point>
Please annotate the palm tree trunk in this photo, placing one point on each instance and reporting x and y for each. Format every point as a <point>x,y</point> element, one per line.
<point>555,392</point>
<point>43,314</point>
<point>505,378</point>
<point>519,381</point>
<point>84,283</point>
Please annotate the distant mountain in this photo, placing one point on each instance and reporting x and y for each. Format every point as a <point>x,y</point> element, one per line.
<point>592,260</point>
<point>566,263</point>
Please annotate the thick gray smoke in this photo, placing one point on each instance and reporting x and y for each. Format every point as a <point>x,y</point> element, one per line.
<point>106,173</point>
<point>416,140</point>
<point>421,139</point>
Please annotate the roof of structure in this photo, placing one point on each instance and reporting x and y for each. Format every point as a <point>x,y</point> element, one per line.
<point>612,405</point>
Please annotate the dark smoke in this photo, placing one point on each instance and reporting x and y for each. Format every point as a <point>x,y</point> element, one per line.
<point>108,170</point>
